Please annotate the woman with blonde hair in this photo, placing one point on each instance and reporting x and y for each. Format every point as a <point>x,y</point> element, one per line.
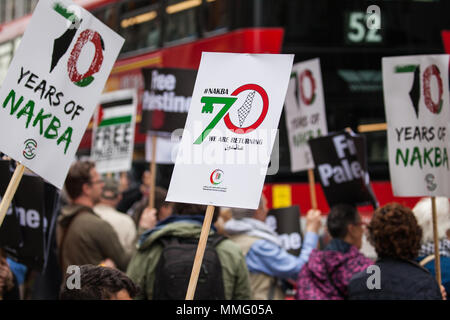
<point>423,213</point>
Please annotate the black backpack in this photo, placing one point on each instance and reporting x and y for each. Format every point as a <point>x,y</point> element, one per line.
<point>174,268</point>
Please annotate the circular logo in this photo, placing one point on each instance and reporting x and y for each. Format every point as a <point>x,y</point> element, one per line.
<point>245,109</point>
<point>216,177</point>
<point>307,100</point>
<point>29,152</point>
<point>429,179</point>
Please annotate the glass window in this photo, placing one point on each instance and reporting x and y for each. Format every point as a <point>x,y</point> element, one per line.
<point>109,15</point>
<point>141,28</point>
<point>216,18</point>
<point>182,20</point>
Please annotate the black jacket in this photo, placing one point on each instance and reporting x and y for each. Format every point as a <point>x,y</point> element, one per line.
<point>400,280</point>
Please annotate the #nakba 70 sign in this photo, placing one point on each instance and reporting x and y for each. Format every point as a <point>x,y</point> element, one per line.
<point>416,95</point>
<point>230,129</point>
<point>53,85</point>
<point>305,112</point>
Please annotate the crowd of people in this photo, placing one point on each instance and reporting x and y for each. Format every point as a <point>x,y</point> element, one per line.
<point>124,249</point>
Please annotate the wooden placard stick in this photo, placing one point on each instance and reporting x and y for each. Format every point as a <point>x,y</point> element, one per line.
<point>199,253</point>
<point>372,127</point>
<point>11,190</point>
<point>312,188</point>
<point>437,260</point>
<point>151,196</point>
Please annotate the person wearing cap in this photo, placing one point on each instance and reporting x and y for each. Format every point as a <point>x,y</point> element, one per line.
<point>121,222</point>
<point>266,259</point>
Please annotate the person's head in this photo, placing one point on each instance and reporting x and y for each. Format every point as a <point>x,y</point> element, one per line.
<point>259,214</point>
<point>111,192</point>
<point>423,212</point>
<point>191,209</point>
<point>83,183</point>
<point>344,222</point>
<point>99,283</point>
<point>164,208</point>
<point>394,232</point>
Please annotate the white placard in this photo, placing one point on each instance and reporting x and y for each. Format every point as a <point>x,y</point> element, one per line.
<point>305,112</point>
<point>416,97</point>
<point>166,149</point>
<point>230,129</point>
<point>53,86</point>
<point>113,132</point>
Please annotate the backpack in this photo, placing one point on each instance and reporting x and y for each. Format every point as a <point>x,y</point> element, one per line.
<point>174,268</point>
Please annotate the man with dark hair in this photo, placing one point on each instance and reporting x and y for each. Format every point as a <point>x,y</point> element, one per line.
<point>327,273</point>
<point>223,273</point>
<point>82,236</point>
<point>99,283</point>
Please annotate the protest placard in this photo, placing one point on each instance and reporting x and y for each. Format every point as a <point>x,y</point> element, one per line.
<point>30,220</point>
<point>235,106</point>
<point>416,98</point>
<point>53,85</point>
<point>166,150</point>
<point>341,164</point>
<point>305,112</point>
<point>166,99</point>
<point>286,223</point>
<point>228,136</point>
<point>113,131</point>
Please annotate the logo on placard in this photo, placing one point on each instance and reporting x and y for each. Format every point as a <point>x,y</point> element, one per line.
<point>29,152</point>
<point>431,83</point>
<point>248,107</point>
<point>307,98</point>
<point>429,179</point>
<point>216,177</point>
<point>62,44</point>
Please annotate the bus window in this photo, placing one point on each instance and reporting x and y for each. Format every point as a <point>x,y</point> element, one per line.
<point>109,15</point>
<point>216,16</point>
<point>141,28</point>
<point>6,53</point>
<point>181,21</point>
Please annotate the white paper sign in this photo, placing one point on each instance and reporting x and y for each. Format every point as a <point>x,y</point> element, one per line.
<point>166,149</point>
<point>416,97</point>
<point>230,129</point>
<point>53,86</point>
<point>305,112</point>
<point>113,132</point>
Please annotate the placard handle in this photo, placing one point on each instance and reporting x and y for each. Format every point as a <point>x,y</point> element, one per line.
<point>11,190</point>
<point>200,252</point>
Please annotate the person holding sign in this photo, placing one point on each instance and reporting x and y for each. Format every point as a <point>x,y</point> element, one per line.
<point>163,261</point>
<point>266,259</point>
<point>82,236</point>
<point>328,272</point>
<point>396,236</point>
<point>422,211</point>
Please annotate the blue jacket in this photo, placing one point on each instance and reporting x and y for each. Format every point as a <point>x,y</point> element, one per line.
<point>267,257</point>
<point>445,271</point>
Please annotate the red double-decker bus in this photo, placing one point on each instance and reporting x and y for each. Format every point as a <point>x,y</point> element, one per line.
<point>174,33</point>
